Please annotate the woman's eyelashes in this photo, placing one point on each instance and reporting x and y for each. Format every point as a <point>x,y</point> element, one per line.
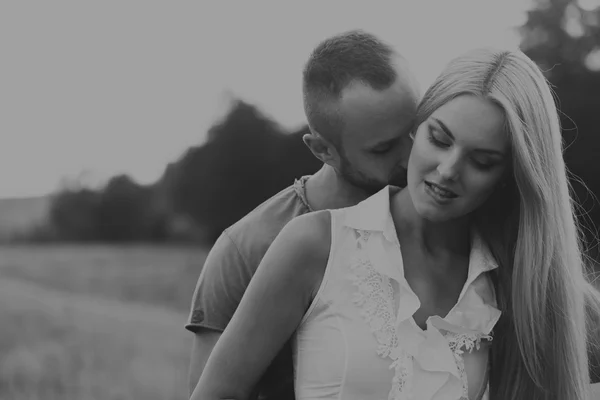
<point>483,165</point>
<point>435,137</point>
<point>440,140</point>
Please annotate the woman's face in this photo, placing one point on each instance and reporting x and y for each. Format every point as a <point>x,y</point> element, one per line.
<point>459,156</point>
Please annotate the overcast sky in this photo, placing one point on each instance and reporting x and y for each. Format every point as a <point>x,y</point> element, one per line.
<point>112,87</point>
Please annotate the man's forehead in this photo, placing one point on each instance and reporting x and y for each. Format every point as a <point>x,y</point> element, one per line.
<point>360,101</point>
<point>366,109</point>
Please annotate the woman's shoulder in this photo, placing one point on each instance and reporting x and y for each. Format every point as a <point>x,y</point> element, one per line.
<point>300,253</point>
<point>309,234</point>
<point>315,221</point>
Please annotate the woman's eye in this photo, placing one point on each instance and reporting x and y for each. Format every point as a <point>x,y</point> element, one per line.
<point>483,165</point>
<point>435,140</point>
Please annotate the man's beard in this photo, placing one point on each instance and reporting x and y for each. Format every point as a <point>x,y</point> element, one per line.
<point>398,176</point>
<point>369,185</point>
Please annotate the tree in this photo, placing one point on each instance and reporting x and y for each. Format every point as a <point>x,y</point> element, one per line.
<point>246,159</point>
<point>564,39</point>
<point>125,212</point>
<point>73,215</point>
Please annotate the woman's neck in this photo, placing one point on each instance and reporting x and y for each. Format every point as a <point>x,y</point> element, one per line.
<point>434,238</point>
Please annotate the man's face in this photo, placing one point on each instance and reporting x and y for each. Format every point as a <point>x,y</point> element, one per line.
<point>375,140</point>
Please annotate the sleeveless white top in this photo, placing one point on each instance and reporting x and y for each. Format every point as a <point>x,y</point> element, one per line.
<point>359,341</point>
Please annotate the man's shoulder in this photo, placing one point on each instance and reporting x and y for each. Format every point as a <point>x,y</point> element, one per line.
<point>255,232</point>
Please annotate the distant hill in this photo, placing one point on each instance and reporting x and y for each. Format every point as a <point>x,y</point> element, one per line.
<point>20,214</point>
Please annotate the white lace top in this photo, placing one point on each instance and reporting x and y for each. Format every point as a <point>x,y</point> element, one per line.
<point>359,341</point>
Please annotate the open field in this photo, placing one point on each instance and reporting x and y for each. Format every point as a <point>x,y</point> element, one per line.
<point>95,322</point>
<point>21,214</point>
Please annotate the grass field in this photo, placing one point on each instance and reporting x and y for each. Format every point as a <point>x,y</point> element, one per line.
<point>95,322</point>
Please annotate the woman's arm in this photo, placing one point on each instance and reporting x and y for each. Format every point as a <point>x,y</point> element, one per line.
<point>270,311</point>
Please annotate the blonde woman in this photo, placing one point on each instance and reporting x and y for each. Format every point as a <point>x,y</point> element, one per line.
<point>468,284</point>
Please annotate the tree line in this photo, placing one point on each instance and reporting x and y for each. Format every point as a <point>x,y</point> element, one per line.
<point>246,159</point>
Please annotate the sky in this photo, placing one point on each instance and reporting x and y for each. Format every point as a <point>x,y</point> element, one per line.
<point>89,90</point>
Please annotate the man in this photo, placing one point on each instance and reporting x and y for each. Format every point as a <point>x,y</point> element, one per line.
<point>360,100</point>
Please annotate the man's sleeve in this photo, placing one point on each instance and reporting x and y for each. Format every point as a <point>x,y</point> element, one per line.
<point>221,285</point>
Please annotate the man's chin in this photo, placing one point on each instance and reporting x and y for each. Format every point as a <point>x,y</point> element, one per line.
<point>399,178</point>
<point>400,182</point>
<point>372,189</point>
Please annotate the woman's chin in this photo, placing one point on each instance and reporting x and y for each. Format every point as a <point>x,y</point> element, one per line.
<point>432,214</point>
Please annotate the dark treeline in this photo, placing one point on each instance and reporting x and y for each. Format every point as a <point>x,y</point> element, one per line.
<point>247,157</point>
<point>564,39</point>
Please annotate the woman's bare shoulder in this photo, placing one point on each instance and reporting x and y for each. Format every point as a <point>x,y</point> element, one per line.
<point>307,236</point>
<point>300,253</point>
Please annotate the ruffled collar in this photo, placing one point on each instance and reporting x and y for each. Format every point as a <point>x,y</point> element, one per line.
<point>428,363</point>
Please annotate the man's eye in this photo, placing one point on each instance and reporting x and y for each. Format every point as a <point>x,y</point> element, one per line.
<point>381,150</point>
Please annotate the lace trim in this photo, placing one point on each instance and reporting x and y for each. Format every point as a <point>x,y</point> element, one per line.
<point>458,343</point>
<point>375,297</point>
<point>402,382</point>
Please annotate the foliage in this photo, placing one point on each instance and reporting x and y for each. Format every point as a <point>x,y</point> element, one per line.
<point>246,159</point>
<point>564,39</point>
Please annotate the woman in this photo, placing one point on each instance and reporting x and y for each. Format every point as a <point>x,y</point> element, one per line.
<point>469,283</point>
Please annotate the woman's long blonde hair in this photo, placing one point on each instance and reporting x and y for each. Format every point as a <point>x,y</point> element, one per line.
<point>539,345</point>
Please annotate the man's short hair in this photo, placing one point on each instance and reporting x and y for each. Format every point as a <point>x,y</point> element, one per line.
<point>353,56</point>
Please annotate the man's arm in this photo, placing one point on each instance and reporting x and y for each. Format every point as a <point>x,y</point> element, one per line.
<point>270,311</point>
<point>221,285</point>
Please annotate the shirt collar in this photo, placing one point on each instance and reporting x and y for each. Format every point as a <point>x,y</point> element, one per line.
<point>300,189</point>
<point>373,214</point>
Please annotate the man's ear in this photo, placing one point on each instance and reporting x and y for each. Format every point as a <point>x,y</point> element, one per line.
<point>321,148</point>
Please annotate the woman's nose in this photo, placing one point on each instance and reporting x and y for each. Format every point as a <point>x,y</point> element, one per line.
<point>449,167</point>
